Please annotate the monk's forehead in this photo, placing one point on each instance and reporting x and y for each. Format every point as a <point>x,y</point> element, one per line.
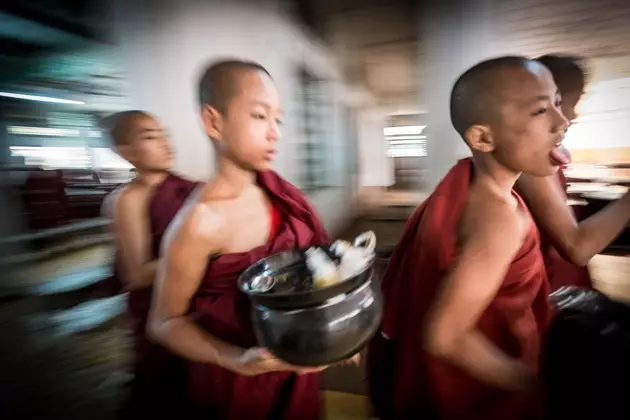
<point>250,81</point>
<point>143,123</point>
<point>524,84</point>
<point>256,87</point>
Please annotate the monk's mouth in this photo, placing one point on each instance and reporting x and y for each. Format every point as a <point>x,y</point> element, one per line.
<point>560,156</point>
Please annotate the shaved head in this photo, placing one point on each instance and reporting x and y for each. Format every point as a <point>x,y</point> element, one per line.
<point>120,125</point>
<point>567,71</point>
<point>219,83</point>
<point>477,93</point>
<point>507,110</point>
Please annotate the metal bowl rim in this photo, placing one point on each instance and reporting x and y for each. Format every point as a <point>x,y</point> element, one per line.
<point>241,281</point>
<point>325,304</point>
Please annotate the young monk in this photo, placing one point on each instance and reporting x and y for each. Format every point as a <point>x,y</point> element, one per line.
<point>247,212</point>
<point>466,288</point>
<point>568,245</point>
<point>141,212</point>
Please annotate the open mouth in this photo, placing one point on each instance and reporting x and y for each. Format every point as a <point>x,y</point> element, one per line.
<point>560,156</point>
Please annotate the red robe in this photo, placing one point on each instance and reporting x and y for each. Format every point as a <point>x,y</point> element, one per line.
<point>159,375</point>
<point>225,312</point>
<point>408,383</point>
<point>560,271</point>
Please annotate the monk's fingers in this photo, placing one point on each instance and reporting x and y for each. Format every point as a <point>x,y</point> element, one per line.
<point>265,354</point>
<point>300,370</point>
<point>258,354</point>
<point>354,360</point>
<point>273,364</point>
<point>306,371</point>
<point>267,362</point>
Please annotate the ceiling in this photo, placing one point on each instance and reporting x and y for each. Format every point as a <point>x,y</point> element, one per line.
<point>377,44</point>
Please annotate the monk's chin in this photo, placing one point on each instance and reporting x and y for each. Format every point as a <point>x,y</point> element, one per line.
<point>264,167</point>
<point>159,170</point>
<point>543,172</point>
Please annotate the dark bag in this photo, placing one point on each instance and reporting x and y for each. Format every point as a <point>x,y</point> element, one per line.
<point>586,359</point>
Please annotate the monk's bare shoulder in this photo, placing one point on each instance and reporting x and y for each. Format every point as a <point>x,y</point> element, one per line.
<point>108,207</point>
<point>132,197</point>
<point>493,220</point>
<point>197,224</point>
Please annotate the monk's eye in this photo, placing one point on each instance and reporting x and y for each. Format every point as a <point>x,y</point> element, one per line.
<point>279,122</point>
<point>259,116</point>
<point>539,111</point>
<point>558,103</point>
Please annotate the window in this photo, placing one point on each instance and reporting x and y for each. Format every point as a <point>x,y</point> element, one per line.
<point>53,157</point>
<point>604,117</point>
<point>352,164</point>
<point>406,141</point>
<point>313,109</point>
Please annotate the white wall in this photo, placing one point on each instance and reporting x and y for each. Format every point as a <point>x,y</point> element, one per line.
<point>165,46</point>
<point>376,168</point>
<point>453,38</point>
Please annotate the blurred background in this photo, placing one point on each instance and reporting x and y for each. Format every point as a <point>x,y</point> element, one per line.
<point>365,88</point>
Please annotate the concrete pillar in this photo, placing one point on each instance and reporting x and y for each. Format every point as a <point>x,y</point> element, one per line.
<point>454,35</point>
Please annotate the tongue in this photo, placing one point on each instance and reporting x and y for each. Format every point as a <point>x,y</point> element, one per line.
<point>560,156</point>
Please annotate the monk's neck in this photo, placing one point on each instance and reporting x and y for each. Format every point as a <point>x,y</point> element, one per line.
<point>497,177</point>
<point>150,179</point>
<point>233,178</point>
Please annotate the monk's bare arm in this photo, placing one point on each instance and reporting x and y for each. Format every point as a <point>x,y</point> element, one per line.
<point>131,224</point>
<point>183,262</point>
<point>451,332</point>
<point>579,242</point>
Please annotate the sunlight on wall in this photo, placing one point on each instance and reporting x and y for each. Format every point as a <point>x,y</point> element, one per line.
<point>604,120</point>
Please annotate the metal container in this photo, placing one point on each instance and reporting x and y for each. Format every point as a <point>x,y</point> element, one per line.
<point>307,325</point>
<point>321,335</point>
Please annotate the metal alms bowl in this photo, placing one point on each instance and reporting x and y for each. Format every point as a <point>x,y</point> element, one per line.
<point>309,326</point>
<point>321,335</point>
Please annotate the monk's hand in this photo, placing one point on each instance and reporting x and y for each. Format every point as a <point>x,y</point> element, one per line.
<point>353,361</point>
<point>257,361</point>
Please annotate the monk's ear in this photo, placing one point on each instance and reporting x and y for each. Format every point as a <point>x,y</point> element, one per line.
<point>126,152</point>
<point>212,122</point>
<point>480,138</point>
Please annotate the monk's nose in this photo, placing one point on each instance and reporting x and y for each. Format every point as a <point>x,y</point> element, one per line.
<point>274,132</point>
<point>562,123</point>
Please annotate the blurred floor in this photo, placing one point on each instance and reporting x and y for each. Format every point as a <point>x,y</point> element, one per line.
<point>65,357</point>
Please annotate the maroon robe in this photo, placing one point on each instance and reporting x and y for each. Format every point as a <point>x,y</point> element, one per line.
<point>560,271</point>
<point>159,375</point>
<point>225,312</point>
<point>408,383</point>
